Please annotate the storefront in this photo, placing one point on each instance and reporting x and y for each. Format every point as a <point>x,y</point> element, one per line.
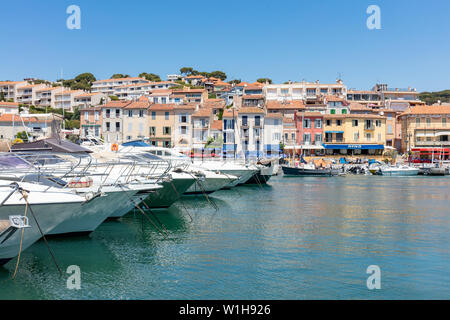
<point>354,149</point>
<point>428,155</point>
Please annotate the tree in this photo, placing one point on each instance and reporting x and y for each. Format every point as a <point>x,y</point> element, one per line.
<point>22,136</point>
<point>212,96</point>
<point>150,77</point>
<point>119,76</point>
<point>264,80</point>
<point>2,96</point>
<point>218,74</point>
<point>186,70</point>
<point>235,81</point>
<point>114,98</point>
<point>81,82</point>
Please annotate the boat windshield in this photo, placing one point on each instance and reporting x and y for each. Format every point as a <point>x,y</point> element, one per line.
<point>11,161</point>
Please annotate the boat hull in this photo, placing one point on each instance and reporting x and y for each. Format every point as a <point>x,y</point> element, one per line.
<point>208,185</point>
<point>49,216</point>
<point>259,178</point>
<point>300,172</point>
<point>166,196</point>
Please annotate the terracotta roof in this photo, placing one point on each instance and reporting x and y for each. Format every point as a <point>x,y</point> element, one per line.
<point>89,94</point>
<point>142,103</point>
<point>334,98</point>
<point>288,120</point>
<point>310,114</point>
<point>49,89</point>
<point>9,118</point>
<point>250,110</point>
<point>221,83</point>
<point>5,83</point>
<point>202,113</point>
<point>68,92</point>
<point>252,87</point>
<point>242,84</point>
<point>121,79</point>
<point>287,105</point>
<point>195,77</point>
<point>358,107</point>
<point>253,97</point>
<point>214,103</point>
<point>28,86</point>
<point>116,104</point>
<point>9,104</point>
<point>274,115</point>
<point>425,110</point>
<point>160,92</point>
<point>228,113</point>
<point>161,107</point>
<point>97,108</point>
<point>187,106</point>
<point>216,125</point>
<point>352,116</point>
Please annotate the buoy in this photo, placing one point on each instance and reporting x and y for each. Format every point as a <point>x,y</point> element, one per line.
<point>114,147</point>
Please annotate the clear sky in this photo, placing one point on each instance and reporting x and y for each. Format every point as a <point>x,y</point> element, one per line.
<point>248,39</point>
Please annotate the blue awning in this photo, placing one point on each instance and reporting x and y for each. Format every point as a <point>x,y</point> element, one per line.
<point>334,131</point>
<point>354,146</point>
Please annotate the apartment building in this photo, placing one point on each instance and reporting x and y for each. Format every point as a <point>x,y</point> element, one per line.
<point>112,121</point>
<point>306,91</point>
<point>273,134</point>
<point>8,89</point>
<point>160,96</point>
<point>135,91</point>
<point>90,99</point>
<point>365,97</point>
<point>183,127</point>
<point>109,86</point>
<point>91,122</point>
<point>65,99</point>
<point>310,131</point>
<point>290,134</point>
<point>9,107</point>
<point>201,121</point>
<point>230,135</point>
<point>135,120</point>
<point>354,134</point>
<point>197,96</point>
<point>286,108</point>
<point>161,122</point>
<point>45,97</point>
<point>336,105</point>
<point>426,129</point>
<point>35,127</point>
<point>27,94</point>
<point>250,126</point>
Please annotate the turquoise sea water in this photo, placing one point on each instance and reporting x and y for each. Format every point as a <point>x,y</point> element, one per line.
<point>298,238</point>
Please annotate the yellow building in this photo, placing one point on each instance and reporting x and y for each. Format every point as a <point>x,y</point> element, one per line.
<point>426,128</point>
<point>354,134</point>
<point>161,122</point>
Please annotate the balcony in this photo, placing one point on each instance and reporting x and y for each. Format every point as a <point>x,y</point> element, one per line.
<point>369,128</point>
<point>334,140</point>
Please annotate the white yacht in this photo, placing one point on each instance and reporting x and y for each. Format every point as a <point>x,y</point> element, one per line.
<point>206,181</point>
<point>50,206</point>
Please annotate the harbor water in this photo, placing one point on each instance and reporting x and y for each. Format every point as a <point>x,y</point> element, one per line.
<point>296,238</point>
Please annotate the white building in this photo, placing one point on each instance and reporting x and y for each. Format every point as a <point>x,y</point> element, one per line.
<point>9,88</point>
<point>109,86</point>
<point>27,94</point>
<point>9,107</point>
<point>90,99</point>
<point>45,97</point>
<point>65,99</point>
<point>303,91</point>
<point>273,134</point>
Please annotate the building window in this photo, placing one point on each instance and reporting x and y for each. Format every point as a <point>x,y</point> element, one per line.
<point>96,115</point>
<point>166,130</point>
<point>141,113</point>
<point>153,115</point>
<point>379,137</point>
<point>318,124</point>
<point>117,113</point>
<point>378,123</point>
<point>318,138</point>
<point>368,136</point>
<point>417,121</point>
<point>244,120</point>
<point>257,121</point>
<point>339,123</point>
<point>108,126</point>
<point>130,113</point>
<point>428,121</point>
<point>307,138</point>
<point>328,122</point>
<point>152,131</point>
<point>355,123</point>
<point>389,129</point>
<point>86,115</point>
<point>344,111</point>
<point>332,111</point>
<point>117,126</point>
<point>307,123</point>
<point>166,115</point>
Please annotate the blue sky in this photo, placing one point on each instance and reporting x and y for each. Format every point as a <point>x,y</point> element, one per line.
<point>283,40</point>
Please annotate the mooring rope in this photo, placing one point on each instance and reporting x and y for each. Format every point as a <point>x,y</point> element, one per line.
<point>20,245</point>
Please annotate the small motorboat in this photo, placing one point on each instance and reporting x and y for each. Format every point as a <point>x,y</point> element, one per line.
<point>401,170</point>
<point>309,170</point>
